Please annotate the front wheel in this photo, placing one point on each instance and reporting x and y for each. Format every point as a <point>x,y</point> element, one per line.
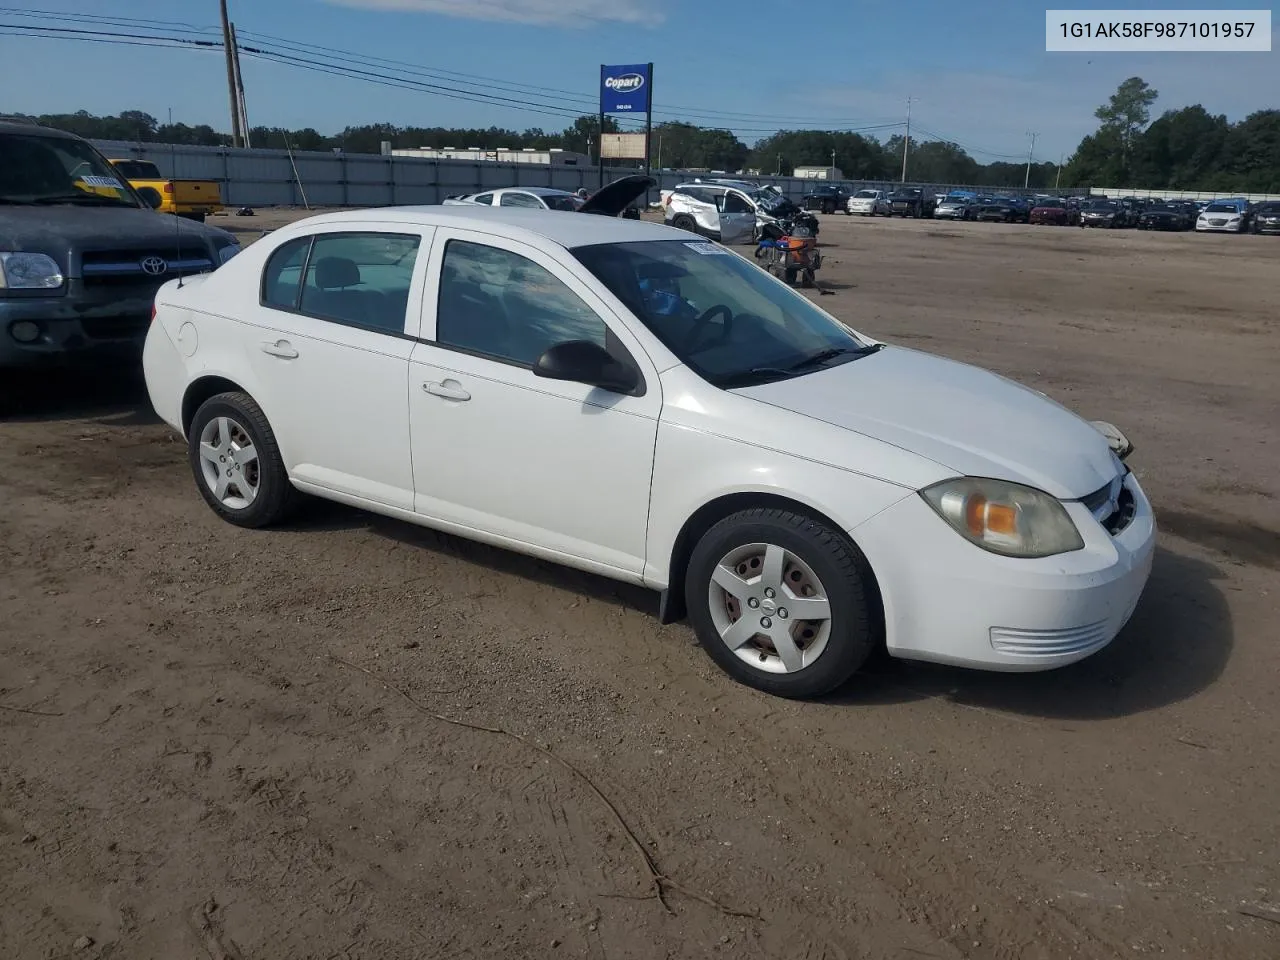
<point>781,602</point>
<point>236,462</point>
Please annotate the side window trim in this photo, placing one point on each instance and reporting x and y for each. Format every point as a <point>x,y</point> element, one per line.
<point>616,345</point>
<point>421,255</point>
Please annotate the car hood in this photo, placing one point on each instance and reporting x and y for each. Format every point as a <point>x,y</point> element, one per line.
<point>969,420</point>
<point>56,230</point>
<point>611,199</point>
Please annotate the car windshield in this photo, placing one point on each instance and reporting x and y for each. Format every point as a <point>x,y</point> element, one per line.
<point>562,201</point>
<point>723,316</point>
<point>1103,205</point>
<point>42,170</point>
<point>1051,204</point>
<point>1268,208</point>
<point>865,194</point>
<point>768,200</point>
<point>1163,208</point>
<point>1221,208</point>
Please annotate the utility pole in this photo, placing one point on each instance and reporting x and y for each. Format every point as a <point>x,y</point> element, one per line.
<point>779,172</point>
<point>243,107</point>
<point>833,163</point>
<point>906,143</point>
<point>1058,180</point>
<point>1026,181</point>
<point>227,47</point>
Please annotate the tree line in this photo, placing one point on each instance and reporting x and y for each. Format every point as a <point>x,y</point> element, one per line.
<point>1186,149</point>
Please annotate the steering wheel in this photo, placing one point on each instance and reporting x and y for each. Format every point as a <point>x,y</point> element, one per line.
<point>695,335</point>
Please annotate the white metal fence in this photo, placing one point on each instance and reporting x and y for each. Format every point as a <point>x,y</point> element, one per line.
<point>262,178</point>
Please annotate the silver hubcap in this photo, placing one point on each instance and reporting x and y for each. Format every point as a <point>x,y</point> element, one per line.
<point>229,462</point>
<point>770,608</point>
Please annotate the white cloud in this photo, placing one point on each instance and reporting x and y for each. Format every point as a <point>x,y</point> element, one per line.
<point>560,13</point>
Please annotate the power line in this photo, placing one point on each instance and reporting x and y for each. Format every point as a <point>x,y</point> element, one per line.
<point>569,99</point>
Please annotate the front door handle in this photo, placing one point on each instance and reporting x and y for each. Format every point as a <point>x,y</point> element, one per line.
<point>281,348</point>
<point>450,390</point>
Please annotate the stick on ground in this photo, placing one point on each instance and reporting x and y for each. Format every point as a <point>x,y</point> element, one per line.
<point>659,882</point>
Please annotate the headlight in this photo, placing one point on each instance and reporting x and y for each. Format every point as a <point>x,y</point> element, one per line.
<point>1005,518</point>
<point>227,252</point>
<point>29,271</point>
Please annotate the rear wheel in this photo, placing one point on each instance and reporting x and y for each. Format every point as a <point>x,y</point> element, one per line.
<point>685,222</point>
<point>237,464</point>
<point>781,602</point>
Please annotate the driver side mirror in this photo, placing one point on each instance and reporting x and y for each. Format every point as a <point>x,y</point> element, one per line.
<point>581,361</point>
<point>151,196</point>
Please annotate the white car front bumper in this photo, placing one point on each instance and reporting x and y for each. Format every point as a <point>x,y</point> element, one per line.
<point>949,601</point>
<point>1203,227</point>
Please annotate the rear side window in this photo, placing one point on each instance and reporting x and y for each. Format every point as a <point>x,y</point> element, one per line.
<point>357,279</point>
<point>485,198</point>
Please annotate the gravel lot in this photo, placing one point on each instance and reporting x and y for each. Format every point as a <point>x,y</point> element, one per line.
<point>187,769</point>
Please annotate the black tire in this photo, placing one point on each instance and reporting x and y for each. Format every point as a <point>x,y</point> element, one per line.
<point>836,562</point>
<point>790,275</point>
<point>807,278</point>
<point>685,222</point>
<point>276,497</point>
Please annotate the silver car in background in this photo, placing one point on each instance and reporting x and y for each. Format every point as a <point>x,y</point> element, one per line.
<point>952,208</point>
<point>868,203</point>
<point>723,213</point>
<point>536,198</point>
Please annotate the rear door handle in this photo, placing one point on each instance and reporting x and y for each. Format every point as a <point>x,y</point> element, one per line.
<point>281,348</point>
<point>450,390</point>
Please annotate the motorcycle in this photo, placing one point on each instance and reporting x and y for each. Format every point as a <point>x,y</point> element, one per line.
<point>789,249</point>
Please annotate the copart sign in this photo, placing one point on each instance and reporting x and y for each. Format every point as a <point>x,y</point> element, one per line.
<point>625,88</point>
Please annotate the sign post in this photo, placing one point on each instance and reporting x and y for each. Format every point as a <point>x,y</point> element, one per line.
<point>626,88</point>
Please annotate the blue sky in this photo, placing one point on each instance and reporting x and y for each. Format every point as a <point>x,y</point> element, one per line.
<point>978,69</point>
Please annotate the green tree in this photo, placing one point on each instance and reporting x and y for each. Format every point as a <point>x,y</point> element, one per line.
<point>1126,113</point>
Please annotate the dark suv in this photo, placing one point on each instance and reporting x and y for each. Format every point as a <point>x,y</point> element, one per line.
<point>828,198</point>
<point>912,202</point>
<point>82,253</point>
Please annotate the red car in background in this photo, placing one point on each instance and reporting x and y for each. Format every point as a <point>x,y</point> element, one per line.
<point>1055,212</point>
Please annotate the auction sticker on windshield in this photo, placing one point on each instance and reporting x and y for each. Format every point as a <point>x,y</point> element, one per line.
<point>1154,31</point>
<point>111,182</point>
<point>708,249</point>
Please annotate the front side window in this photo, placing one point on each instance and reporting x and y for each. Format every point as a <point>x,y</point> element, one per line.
<point>501,305</point>
<point>519,200</point>
<point>736,203</point>
<point>723,316</point>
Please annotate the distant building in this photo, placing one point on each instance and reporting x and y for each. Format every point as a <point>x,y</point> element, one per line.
<point>818,173</point>
<point>554,157</point>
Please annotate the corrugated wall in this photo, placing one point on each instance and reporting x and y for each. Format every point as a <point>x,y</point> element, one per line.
<point>261,178</point>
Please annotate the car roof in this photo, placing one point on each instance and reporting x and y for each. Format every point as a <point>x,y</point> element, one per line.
<point>564,228</point>
<point>35,130</point>
<point>536,191</point>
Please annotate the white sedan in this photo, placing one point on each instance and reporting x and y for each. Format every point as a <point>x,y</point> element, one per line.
<point>634,400</point>
<point>869,203</point>
<point>534,198</point>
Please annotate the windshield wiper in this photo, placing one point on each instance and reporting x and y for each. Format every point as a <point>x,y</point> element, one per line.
<point>822,356</point>
<point>92,198</point>
<point>749,377</point>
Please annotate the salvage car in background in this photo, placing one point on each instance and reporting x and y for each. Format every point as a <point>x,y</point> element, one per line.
<point>1053,211</point>
<point>1266,217</point>
<point>1001,209</point>
<point>677,418</point>
<point>1167,216</point>
<point>1224,216</point>
<point>538,198</point>
<point>82,253</point>
<point>869,203</point>
<point>953,208</point>
<point>1104,213</point>
<point>727,214</point>
<point>827,198</point>
<point>912,202</point>
<point>192,199</point>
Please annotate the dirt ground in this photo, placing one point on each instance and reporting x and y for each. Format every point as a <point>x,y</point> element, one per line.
<point>186,771</point>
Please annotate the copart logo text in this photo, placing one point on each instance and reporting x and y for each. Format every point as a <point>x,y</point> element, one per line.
<point>627,83</point>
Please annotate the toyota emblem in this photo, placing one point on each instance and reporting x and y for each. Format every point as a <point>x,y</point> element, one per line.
<point>154,265</point>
